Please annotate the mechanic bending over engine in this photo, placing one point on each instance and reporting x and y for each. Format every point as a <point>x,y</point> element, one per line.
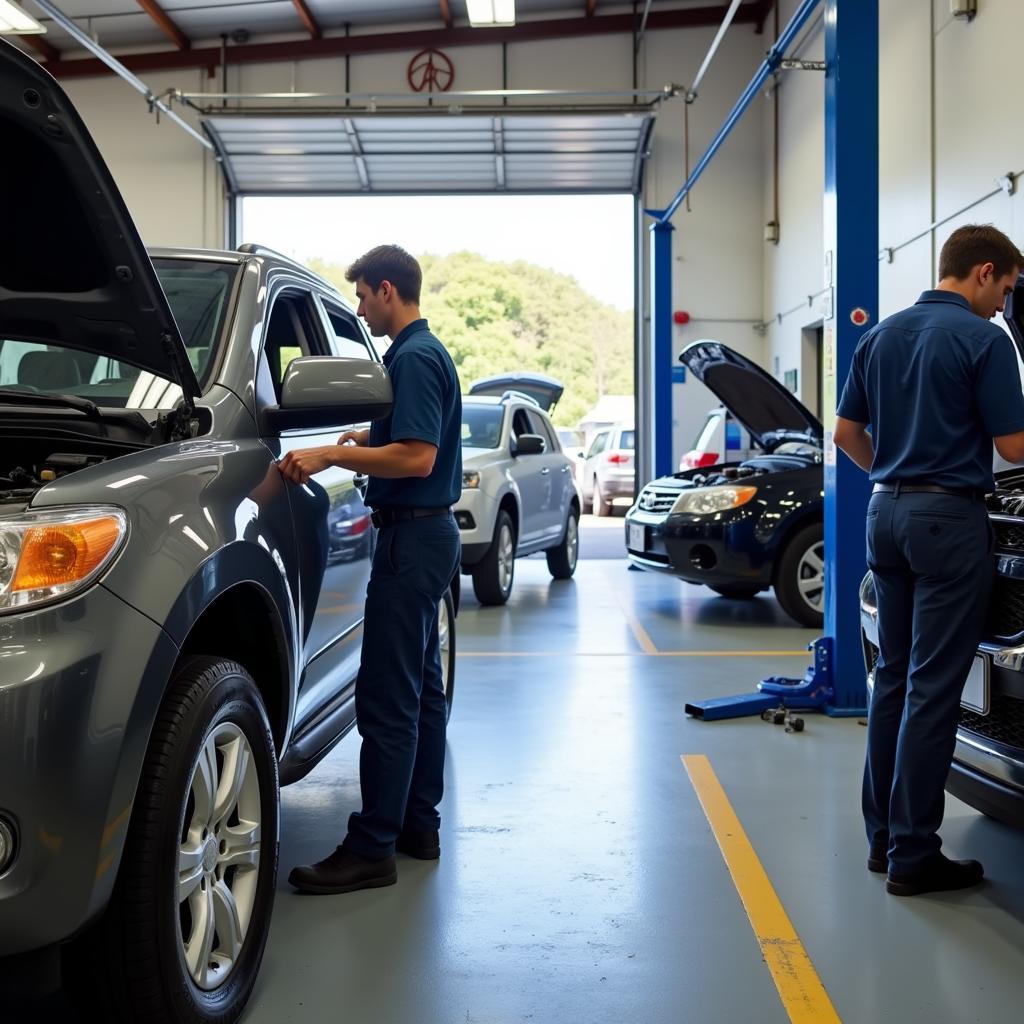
<point>414,461</point>
<point>937,383</point>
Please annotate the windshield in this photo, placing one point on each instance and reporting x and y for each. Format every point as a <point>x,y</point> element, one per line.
<point>198,293</point>
<point>481,426</point>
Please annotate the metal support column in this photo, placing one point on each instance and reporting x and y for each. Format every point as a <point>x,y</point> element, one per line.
<point>851,261</point>
<point>661,343</point>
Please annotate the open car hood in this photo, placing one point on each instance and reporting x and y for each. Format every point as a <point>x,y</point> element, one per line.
<point>73,270</point>
<point>754,398</point>
<point>1013,314</point>
<point>545,391</point>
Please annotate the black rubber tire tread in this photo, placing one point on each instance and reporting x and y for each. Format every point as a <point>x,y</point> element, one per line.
<point>485,572</point>
<point>558,558</point>
<point>114,972</point>
<point>737,591</point>
<point>786,589</point>
<point>450,694</point>
<point>601,507</point>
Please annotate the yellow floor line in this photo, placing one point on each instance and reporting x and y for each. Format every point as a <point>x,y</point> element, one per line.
<point>633,654</point>
<point>800,989</point>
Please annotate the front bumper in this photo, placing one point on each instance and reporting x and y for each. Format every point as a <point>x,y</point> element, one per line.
<point>988,762</point>
<point>79,686</point>
<point>701,549</point>
<point>475,513</point>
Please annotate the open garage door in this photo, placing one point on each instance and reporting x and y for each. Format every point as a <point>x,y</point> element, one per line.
<point>297,154</point>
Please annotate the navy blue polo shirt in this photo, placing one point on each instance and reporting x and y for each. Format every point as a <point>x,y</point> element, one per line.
<point>937,383</point>
<point>427,407</point>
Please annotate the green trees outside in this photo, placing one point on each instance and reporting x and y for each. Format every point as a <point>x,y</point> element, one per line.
<point>496,317</point>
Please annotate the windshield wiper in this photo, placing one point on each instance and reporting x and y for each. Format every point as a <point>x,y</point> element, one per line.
<point>25,397</point>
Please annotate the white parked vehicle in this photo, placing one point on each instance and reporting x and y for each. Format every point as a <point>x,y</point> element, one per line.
<point>721,439</point>
<point>518,491</point>
<point>609,471</point>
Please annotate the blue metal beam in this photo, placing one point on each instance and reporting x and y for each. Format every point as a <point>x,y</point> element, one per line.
<point>661,343</point>
<point>851,251</point>
<point>769,66</point>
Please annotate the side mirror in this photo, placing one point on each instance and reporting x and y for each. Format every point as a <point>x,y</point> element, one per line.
<point>529,444</point>
<point>329,391</point>
<point>579,454</point>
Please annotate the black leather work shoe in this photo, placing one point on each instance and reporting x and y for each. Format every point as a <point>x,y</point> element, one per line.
<point>343,871</point>
<point>421,845</point>
<point>938,874</point>
<point>878,861</point>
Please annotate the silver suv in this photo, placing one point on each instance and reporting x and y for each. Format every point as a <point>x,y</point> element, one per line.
<point>179,627</point>
<point>519,495</point>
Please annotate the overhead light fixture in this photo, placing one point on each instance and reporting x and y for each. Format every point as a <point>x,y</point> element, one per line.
<point>487,13</point>
<point>15,22</point>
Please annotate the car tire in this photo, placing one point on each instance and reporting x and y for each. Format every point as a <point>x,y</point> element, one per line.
<point>446,633</point>
<point>562,559</point>
<point>601,507</point>
<point>799,576</point>
<point>493,575</point>
<point>209,787</point>
<point>737,591</point>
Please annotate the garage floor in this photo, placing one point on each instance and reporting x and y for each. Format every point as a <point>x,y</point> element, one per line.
<point>580,880</point>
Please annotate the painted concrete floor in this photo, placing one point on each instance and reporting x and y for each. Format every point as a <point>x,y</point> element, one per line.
<point>580,882</point>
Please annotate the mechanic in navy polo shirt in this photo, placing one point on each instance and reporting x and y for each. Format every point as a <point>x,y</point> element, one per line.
<point>938,384</point>
<point>414,462</point>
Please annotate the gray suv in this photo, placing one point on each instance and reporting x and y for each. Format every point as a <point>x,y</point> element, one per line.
<point>179,626</point>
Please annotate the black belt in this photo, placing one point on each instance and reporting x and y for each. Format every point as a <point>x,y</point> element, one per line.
<point>900,488</point>
<point>382,517</point>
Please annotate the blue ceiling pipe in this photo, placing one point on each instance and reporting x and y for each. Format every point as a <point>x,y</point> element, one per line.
<point>769,66</point>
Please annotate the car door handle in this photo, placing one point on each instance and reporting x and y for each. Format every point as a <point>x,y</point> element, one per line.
<point>565,469</point>
<point>545,471</point>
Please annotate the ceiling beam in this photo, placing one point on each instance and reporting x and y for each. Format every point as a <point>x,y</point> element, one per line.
<point>306,16</point>
<point>163,19</point>
<point>390,42</point>
<point>42,47</point>
<point>446,13</point>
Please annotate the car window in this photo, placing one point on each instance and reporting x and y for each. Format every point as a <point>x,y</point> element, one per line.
<point>541,426</point>
<point>291,333</point>
<point>627,440</point>
<point>521,424</point>
<point>706,437</point>
<point>481,425</point>
<point>348,339</point>
<point>598,445</point>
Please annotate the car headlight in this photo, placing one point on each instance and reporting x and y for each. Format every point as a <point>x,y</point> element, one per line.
<point>46,556</point>
<point>470,481</point>
<point>707,500</point>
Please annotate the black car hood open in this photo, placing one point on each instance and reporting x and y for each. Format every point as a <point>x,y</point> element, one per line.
<point>73,270</point>
<point>1014,314</point>
<point>757,400</point>
<point>545,391</point>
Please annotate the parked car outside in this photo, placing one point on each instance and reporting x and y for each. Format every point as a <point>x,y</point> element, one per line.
<point>572,442</point>
<point>742,527</point>
<point>179,626</point>
<point>609,470</point>
<point>518,491</point>
<point>988,761</point>
<point>720,439</point>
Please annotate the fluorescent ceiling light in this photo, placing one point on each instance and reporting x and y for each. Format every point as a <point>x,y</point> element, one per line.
<point>491,12</point>
<point>15,22</point>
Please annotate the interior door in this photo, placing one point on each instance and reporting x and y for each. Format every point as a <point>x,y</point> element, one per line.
<point>332,537</point>
<point>533,485</point>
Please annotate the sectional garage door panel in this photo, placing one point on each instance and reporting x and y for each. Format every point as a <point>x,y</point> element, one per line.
<point>315,154</point>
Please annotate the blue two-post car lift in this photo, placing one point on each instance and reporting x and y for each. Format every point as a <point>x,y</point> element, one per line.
<point>834,682</point>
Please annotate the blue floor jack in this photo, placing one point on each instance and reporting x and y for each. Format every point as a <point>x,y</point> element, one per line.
<point>812,692</point>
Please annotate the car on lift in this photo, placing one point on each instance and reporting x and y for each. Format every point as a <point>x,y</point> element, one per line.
<point>988,761</point>
<point>519,493</point>
<point>180,627</point>
<point>742,527</point>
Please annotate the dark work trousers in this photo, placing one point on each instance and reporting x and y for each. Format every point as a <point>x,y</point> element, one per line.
<point>400,702</point>
<point>931,556</point>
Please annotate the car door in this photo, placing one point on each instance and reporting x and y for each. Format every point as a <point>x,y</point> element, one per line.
<point>533,486</point>
<point>332,583</point>
<point>557,478</point>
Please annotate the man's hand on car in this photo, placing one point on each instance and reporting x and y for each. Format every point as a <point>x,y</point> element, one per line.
<point>357,437</point>
<point>302,463</point>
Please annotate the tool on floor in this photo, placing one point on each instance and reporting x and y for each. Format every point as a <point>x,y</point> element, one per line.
<point>783,716</point>
<point>812,693</point>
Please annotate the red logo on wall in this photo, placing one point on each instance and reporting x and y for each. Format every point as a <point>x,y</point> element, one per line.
<point>431,71</point>
<point>859,317</point>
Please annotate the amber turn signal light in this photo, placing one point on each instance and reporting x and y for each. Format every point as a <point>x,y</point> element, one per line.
<point>61,553</point>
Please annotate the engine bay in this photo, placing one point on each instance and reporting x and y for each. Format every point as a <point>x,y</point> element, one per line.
<point>776,462</point>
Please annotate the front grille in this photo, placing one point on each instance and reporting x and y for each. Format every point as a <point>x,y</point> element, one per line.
<point>1003,724</point>
<point>1009,536</point>
<point>1006,611</point>
<point>658,500</point>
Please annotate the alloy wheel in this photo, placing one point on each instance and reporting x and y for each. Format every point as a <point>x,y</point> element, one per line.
<point>810,574</point>
<point>506,559</point>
